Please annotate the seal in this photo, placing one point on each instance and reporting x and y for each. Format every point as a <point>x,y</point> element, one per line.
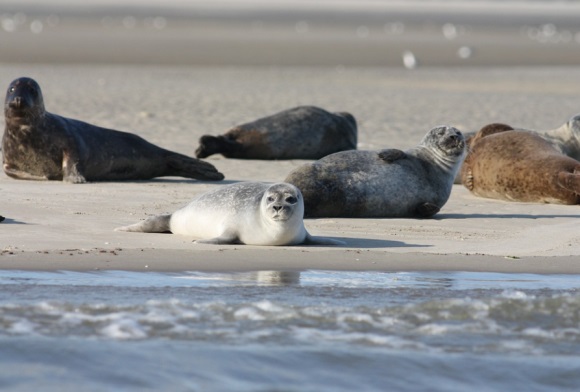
<point>304,132</point>
<point>250,213</point>
<point>522,166</point>
<point>38,145</point>
<point>565,138</point>
<point>388,183</point>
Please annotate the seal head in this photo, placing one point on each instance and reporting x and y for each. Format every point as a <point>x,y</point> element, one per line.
<point>24,103</point>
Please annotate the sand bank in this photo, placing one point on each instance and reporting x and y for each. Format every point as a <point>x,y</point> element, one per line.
<point>51,225</point>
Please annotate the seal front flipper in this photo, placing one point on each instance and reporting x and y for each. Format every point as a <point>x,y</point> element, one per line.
<point>426,210</point>
<point>391,155</point>
<point>21,175</point>
<point>311,240</point>
<point>185,166</point>
<point>155,224</point>
<point>227,237</point>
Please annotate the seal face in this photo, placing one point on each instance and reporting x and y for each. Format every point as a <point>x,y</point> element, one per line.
<point>520,166</point>
<point>386,183</point>
<point>250,213</point>
<point>304,132</point>
<point>38,145</point>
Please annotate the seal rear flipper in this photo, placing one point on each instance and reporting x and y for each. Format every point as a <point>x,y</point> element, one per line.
<point>209,145</point>
<point>311,240</point>
<point>184,166</point>
<point>391,155</point>
<point>155,224</point>
<point>426,210</point>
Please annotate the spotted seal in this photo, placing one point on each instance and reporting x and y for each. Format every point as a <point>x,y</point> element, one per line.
<point>387,183</point>
<point>515,165</point>
<point>38,145</point>
<point>304,132</point>
<point>251,213</point>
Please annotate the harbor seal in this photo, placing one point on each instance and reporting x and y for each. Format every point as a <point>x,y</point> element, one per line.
<point>250,213</point>
<point>519,166</point>
<point>389,183</point>
<point>304,132</point>
<point>38,145</point>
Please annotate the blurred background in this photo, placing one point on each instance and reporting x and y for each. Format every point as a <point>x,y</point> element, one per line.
<point>334,33</point>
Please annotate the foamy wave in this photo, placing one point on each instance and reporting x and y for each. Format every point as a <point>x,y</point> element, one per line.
<point>523,323</point>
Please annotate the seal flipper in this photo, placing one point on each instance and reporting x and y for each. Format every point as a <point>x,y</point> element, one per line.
<point>227,237</point>
<point>311,240</point>
<point>185,166</point>
<point>426,210</point>
<point>209,145</point>
<point>155,224</point>
<point>391,155</point>
<point>570,181</point>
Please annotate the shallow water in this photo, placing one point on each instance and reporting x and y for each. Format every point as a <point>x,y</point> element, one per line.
<point>289,331</point>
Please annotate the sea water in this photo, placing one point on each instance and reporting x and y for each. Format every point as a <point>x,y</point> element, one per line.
<point>289,331</point>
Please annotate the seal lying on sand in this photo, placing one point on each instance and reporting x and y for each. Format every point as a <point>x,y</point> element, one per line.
<point>565,138</point>
<point>304,132</point>
<point>38,145</point>
<point>250,213</point>
<point>387,183</point>
<point>519,166</point>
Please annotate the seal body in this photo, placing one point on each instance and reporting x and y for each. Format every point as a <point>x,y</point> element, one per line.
<point>250,213</point>
<point>386,183</point>
<point>304,132</point>
<point>38,145</point>
<point>520,166</point>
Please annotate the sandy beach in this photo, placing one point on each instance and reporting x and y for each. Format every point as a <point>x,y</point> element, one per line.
<point>57,226</point>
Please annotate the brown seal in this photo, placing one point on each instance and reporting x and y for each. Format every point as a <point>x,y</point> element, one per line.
<point>387,183</point>
<point>520,166</point>
<point>38,145</point>
<point>304,132</point>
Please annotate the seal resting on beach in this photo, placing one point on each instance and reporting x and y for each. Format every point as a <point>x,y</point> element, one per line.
<point>38,145</point>
<point>304,132</point>
<point>250,213</point>
<point>388,183</point>
<point>519,166</point>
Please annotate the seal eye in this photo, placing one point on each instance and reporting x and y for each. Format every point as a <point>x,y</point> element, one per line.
<point>291,200</point>
<point>270,199</point>
<point>12,89</point>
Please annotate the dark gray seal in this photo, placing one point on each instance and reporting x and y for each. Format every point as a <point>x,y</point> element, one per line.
<point>304,132</point>
<point>388,183</point>
<point>38,145</point>
<point>250,213</point>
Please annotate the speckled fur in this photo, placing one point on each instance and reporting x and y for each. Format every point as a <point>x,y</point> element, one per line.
<point>520,166</point>
<point>387,183</point>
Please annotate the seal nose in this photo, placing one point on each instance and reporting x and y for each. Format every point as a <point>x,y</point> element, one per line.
<point>16,103</point>
<point>277,208</point>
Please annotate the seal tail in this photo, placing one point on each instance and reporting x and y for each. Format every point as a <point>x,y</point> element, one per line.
<point>209,145</point>
<point>185,166</point>
<point>155,224</point>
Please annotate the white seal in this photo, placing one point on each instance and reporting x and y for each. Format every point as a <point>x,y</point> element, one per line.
<point>250,213</point>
